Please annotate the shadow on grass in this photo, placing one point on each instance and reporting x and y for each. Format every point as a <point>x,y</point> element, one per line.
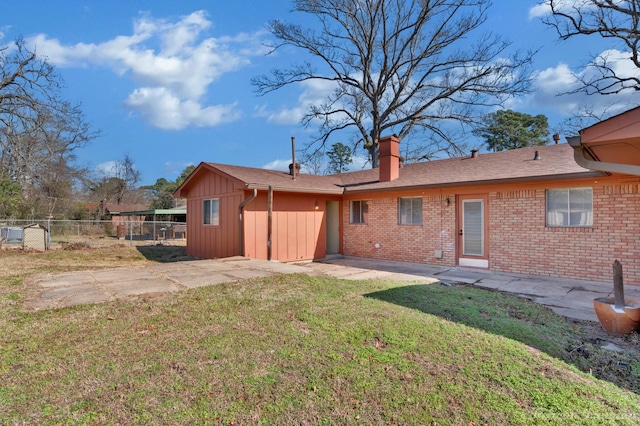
<point>522,320</point>
<point>165,254</point>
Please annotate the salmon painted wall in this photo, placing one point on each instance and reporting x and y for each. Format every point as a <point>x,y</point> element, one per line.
<point>298,228</point>
<point>519,239</point>
<point>211,241</point>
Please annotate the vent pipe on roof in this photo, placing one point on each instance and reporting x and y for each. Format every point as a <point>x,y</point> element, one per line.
<point>536,156</point>
<point>474,153</point>
<point>292,167</point>
<point>556,137</point>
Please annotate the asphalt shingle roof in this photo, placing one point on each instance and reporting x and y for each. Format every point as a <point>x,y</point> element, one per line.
<point>556,161</point>
<point>282,181</point>
<point>514,165</point>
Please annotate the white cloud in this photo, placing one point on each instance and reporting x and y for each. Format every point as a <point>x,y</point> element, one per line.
<point>61,56</point>
<point>619,62</point>
<point>539,11</point>
<point>164,110</point>
<point>552,89</point>
<point>359,163</point>
<point>278,165</point>
<point>314,92</point>
<point>172,63</point>
<point>543,8</point>
<point>286,115</point>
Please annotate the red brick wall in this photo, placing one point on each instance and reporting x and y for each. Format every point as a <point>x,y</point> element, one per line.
<point>519,239</point>
<point>407,243</point>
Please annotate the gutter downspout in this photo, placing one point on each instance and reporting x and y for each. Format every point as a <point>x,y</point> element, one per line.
<point>585,160</point>
<point>269,220</point>
<point>240,221</point>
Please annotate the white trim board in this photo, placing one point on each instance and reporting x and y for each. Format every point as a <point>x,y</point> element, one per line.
<point>475,263</point>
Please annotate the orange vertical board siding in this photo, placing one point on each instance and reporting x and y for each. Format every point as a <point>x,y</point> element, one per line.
<point>296,226</point>
<point>209,241</point>
<point>249,224</point>
<point>255,227</point>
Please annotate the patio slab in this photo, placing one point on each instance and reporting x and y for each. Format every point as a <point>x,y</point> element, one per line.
<point>569,297</point>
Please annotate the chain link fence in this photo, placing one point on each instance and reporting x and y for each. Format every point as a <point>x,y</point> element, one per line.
<point>56,233</point>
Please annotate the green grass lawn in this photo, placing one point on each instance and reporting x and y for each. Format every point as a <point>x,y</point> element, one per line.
<point>293,350</point>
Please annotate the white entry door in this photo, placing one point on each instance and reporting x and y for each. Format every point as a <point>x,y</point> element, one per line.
<point>473,247</point>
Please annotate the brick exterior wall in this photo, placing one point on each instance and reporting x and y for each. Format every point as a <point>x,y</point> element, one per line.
<point>381,237</point>
<point>519,239</point>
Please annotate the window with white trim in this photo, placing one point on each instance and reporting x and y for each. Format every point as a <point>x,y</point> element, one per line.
<point>211,212</point>
<point>359,210</point>
<point>570,207</point>
<point>410,211</point>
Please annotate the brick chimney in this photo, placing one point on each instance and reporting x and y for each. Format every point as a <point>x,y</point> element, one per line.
<point>389,149</point>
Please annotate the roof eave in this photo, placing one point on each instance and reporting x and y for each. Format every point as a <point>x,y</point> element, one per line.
<point>264,187</point>
<point>584,158</point>
<point>566,176</point>
<point>150,212</point>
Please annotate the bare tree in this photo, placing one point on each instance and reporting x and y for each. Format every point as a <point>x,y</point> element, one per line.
<point>29,146</point>
<point>27,83</point>
<point>116,183</point>
<point>586,115</point>
<point>615,20</point>
<point>126,175</point>
<point>312,161</point>
<point>397,66</point>
<point>38,130</point>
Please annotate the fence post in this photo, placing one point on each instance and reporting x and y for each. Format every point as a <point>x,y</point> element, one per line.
<point>49,231</point>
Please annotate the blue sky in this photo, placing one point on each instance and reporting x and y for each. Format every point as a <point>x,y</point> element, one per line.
<point>168,82</point>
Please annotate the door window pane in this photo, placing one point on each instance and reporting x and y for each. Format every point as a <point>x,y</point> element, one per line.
<point>473,228</point>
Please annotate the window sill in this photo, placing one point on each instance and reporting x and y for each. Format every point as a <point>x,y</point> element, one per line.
<point>569,228</point>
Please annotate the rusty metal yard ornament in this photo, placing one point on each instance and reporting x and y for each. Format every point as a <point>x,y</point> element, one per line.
<point>617,315</point>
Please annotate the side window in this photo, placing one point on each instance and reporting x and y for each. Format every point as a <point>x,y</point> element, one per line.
<point>570,207</point>
<point>359,210</point>
<point>410,211</point>
<point>211,212</point>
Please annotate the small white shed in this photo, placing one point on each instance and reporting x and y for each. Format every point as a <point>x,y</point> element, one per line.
<point>35,237</point>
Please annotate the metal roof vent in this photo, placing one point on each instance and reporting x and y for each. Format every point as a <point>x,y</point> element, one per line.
<point>536,156</point>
